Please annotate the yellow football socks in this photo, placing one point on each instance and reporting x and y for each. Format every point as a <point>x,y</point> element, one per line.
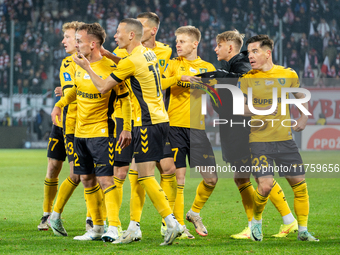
<point>119,184</point>
<point>277,197</point>
<point>156,195</point>
<point>65,192</point>
<point>259,205</point>
<point>301,202</point>
<point>112,204</point>
<point>137,197</point>
<point>179,204</point>
<point>50,191</point>
<point>169,185</point>
<point>94,198</point>
<point>247,193</point>
<point>203,193</point>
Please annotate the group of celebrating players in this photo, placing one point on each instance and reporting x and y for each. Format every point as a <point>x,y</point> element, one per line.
<point>112,121</point>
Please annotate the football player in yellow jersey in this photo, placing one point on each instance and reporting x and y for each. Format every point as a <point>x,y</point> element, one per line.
<point>151,123</point>
<point>123,157</point>
<point>93,142</point>
<point>229,44</point>
<point>273,142</point>
<point>187,126</point>
<point>56,147</point>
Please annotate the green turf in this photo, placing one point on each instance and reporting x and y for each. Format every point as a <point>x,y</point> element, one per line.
<point>21,191</point>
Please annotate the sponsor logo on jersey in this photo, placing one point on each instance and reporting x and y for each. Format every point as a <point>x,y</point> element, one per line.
<point>193,70</point>
<point>182,69</point>
<point>67,76</point>
<point>88,95</point>
<point>87,76</point>
<point>268,82</point>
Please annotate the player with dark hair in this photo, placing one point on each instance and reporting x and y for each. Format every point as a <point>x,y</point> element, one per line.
<point>269,143</point>
<point>234,65</point>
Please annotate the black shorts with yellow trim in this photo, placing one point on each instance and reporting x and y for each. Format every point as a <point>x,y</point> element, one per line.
<point>285,154</point>
<point>167,151</point>
<point>69,146</point>
<point>149,142</point>
<point>56,146</point>
<point>94,156</point>
<point>193,143</point>
<point>123,157</point>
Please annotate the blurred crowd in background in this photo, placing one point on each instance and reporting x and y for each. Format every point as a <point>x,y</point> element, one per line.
<point>311,36</point>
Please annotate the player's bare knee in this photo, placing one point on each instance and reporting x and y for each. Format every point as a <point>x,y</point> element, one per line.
<point>180,179</point>
<point>240,181</point>
<point>211,181</point>
<point>53,168</point>
<point>75,178</point>
<point>170,170</point>
<point>264,189</point>
<point>121,172</point>
<point>105,181</point>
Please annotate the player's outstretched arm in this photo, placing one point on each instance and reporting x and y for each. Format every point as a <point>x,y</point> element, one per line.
<point>109,55</point>
<point>302,121</point>
<point>125,135</point>
<point>58,91</point>
<point>103,86</point>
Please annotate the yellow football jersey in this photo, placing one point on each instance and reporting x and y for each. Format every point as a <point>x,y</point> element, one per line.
<point>182,102</point>
<point>94,109</point>
<point>141,67</point>
<point>69,113</point>
<point>269,128</point>
<point>163,53</point>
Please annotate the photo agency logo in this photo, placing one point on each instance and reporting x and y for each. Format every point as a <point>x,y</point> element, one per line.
<point>238,105</point>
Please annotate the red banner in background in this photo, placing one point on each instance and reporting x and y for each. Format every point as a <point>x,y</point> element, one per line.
<point>323,100</point>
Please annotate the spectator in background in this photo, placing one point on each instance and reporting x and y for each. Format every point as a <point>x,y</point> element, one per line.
<point>300,4</point>
<point>323,27</point>
<point>36,87</point>
<point>6,121</point>
<point>330,51</point>
<point>309,74</point>
<point>314,8</point>
<point>315,42</point>
<point>42,125</point>
<point>111,25</point>
<point>313,59</point>
<point>325,40</point>
<point>294,61</point>
<point>333,28</point>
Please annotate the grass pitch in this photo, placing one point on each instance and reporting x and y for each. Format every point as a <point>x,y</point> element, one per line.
<point>21,191</point>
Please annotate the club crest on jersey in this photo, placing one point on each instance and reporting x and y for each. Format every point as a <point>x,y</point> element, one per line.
<point>203,70</point>
<point>193,70</point>
<point>257,83</point>
<point>67,77</point>
<point>282,81</point>
<point>87,76</point>
<point>182,69</point>
<point>162,62</point>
